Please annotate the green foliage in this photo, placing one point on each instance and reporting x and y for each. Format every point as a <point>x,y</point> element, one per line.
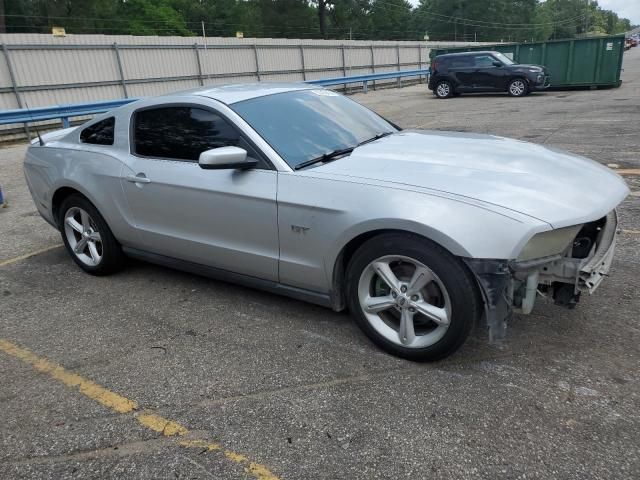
<point>481,20</point>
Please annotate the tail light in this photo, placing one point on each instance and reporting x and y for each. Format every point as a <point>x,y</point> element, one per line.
<point>434,66</point>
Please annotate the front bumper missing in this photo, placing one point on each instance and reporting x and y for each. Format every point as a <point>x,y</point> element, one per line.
<point>511,286</point>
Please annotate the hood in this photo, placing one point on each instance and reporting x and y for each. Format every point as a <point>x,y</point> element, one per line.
<point>550,185</point>
<point>528,65</point>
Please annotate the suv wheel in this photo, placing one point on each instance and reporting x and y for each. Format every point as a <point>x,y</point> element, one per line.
<point>443,90</point>
<point>517,87</point>
<point>411,297</point>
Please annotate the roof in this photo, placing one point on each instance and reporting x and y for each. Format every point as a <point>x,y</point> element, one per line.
<point>234,93</point>
<point>472,52</point>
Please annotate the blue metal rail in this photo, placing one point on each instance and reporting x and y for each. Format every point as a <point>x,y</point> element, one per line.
<point>365,79</point>
<point>65,112</point>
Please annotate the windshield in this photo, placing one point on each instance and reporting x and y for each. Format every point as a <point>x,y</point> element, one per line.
<point>305,124</point>
<point>503,58</point>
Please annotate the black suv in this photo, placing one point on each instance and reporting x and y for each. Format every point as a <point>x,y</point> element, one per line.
<point>468,72</point>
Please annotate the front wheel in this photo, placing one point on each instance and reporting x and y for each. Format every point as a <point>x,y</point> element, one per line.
<point>517,87</point>
<point>411,297</point>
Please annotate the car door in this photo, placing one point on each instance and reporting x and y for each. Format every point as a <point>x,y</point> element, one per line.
<point>225,219</point>
<point>461,70</point>
<point>486,75</point>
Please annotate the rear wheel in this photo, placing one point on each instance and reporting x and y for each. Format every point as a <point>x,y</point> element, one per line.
<point>517,87</point>
<point>411,297</point>
<point>443,89</point>
<point>88,238</point>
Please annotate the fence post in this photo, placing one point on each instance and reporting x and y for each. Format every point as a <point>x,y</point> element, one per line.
<point>14,84</point>
<point>398,55</point>
<point>122,80</point>
<point>373,65</point>
<point>195,49</point>
<point>304,72</point>
<point>255,54</point>
<point>420,61</point>
<point>344,66</point>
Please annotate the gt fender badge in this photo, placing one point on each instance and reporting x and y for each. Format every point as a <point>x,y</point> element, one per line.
<point>299,229</point>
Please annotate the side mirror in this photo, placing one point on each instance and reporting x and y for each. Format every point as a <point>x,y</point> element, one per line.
<point>224,158</point>
<point>497,64</point>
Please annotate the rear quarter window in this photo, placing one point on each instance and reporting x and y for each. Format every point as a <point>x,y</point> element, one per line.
<point>100,133</point>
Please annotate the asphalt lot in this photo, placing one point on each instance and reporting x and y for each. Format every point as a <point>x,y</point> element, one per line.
<point>280,386</point>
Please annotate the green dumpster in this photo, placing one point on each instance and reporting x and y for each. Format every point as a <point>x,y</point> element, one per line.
<point>580,62</point>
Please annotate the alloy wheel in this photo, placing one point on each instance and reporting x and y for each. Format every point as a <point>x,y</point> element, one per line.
<point>404,301</point>
<point>443,89</point>
<point>83,236</point>
<point>517,88</point>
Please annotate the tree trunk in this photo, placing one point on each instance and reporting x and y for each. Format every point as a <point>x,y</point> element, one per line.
<point>322,17</point>
<point>3,27</point>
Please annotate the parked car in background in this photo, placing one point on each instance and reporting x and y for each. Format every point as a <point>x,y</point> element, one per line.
<point>302,191</point>
<point>488,71</point>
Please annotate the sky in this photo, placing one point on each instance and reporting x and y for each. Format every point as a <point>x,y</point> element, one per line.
<point>624,8</point>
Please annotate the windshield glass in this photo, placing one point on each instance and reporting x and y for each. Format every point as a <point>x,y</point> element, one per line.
<point>305,124</point>
<point>503,58</point>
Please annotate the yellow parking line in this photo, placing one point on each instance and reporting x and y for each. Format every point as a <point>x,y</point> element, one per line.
<point>9,261</point>
<point>631,232</point>
<point>627,171</point>
<point>120,404</point>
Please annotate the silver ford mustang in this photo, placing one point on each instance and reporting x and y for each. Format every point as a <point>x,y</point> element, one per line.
<point>301,191</point>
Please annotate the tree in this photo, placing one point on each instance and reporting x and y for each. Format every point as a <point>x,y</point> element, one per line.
<point>391,20</point>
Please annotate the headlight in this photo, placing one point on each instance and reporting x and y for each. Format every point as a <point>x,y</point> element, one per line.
<point>549,243</point>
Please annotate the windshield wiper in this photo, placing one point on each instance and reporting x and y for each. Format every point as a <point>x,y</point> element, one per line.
<point>324,158</point>
<point>377,136</point>
<point>327,157</point>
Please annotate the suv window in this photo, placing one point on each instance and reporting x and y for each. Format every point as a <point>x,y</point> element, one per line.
<point>460,62</point>
<point>483,61</point>
<point>100,133</point>
<point>183,133</point>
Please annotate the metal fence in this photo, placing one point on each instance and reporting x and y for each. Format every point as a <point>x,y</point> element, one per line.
<point>41,70</point>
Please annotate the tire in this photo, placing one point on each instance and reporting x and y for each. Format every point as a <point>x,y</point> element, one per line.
<point>443,89</point>
<point>449,294</point>
<point>517,87</point>
<point>82,226</point>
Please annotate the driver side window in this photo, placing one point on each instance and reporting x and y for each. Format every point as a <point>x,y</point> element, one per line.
<point>183,133</point>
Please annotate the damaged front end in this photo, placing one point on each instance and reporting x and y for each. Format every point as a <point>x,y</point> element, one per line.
<point>583,261</point>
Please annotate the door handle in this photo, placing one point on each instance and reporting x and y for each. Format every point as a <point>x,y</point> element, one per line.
<point>137,179</point>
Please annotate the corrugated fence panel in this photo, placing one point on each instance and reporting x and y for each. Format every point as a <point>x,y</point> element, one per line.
<point>385,56</point>
<point>158,63</point>
<point>47,67</point>
<point>8,101</point>
<point>227,60</point>
<point>409,55</point>
<point>160,88</point>
<point>280,58</point>
<point>317,58</point>
<point>5,78</point>
<point>64,96</point>
<point>358,57</point>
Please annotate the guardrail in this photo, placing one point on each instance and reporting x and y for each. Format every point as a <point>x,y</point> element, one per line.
<point>65,112</point>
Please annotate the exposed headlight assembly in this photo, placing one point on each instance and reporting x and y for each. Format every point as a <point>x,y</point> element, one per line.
<point>549,243</point>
